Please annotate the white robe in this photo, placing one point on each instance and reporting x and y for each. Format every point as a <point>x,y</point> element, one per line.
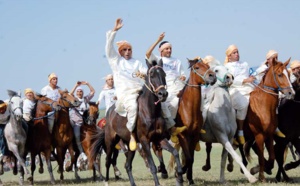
<point>108,96</point>
<point>126,84</point>
<point>239,92</point>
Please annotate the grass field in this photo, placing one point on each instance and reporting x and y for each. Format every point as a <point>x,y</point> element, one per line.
<point>143,176</point>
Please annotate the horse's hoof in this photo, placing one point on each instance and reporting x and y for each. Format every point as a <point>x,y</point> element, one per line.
<point>252,179</point>
<point>288,167</point>
<point>1,171</point>
<point>207,168</point>
<point>179,182</point>
<point>230,167</point>
<point>68,168</point>
<point>269,172</point>
<point>15,171</point>
<point>164,175</point>
<point>77,178</point>
<point>41,170</point>
<point>191,182</point>
<point>254,170</point>
<point>30,179</point>
<point>118,173</point>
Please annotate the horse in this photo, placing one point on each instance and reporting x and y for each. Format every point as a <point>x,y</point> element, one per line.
<point>189,113</point>
<point>63,132</point>
<point>150,126</point>
<point>261,120</point>
<point>288,122</point>
<point>15,133</point>
<point>39,137</point>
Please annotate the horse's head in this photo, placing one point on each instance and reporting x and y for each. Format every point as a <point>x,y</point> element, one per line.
<point>48,104</point>
<point>277,79</point>
<point>224,78</point>
<point>156,80</point>
<point>15,104</point>
<point>91,115</point>
<point>67,100</point>
<point>201,73</point>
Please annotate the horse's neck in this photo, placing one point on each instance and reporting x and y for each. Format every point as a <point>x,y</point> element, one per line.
<point>191,97</point>
<point>147,102</point>
<point>15,124</point>
<point>64,116</point>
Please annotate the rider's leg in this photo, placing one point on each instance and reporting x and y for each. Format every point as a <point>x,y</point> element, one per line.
<point>131,108</point>
<point>50,121</point>
<point>76,129</point>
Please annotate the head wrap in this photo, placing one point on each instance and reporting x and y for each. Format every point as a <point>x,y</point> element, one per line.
<point>52,75</point>
<point>164,45</point>
<point>3,105</point>
<point>108,76</point>
<point>28,90</point>
<point>79,88</point>
<point>122,44</point>
<point>211,61</point>
<point>229,50</point>
<point>271,53</point>
<point>295,64</point>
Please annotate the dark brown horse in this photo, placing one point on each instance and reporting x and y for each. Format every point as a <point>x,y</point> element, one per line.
<point>261,118</point>
<point>288,122</point>
<point>189,113</point>
<point>63,132</point>
<point>150,126</point>
<point>39,137</point>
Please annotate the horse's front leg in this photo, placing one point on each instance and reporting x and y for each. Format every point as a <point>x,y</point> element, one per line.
<point>74,157</point>
<point>166,146</point>
<point>41,169</point>
<point>158,152</point>
<point>60,160</point>
<point>114,163</point>
<point>146,147</point>
<point>259,138</point>
<point>279,155</point>
<point>188,150</point>
<point>270,148</point>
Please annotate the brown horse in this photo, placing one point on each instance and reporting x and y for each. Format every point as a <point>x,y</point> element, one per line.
<point>150,126</point>
<point>63,132</point>
<point>39,137</point>
<point>261,117</point>
<point>189,113</point>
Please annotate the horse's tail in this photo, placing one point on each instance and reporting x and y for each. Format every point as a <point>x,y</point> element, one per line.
<point>97,139</point>
<point>247,148</point>
<point>172,158</point>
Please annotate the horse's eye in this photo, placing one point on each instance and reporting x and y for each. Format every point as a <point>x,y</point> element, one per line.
<point>216,71</point>
<point>280,75</point>
<point>196,68</point>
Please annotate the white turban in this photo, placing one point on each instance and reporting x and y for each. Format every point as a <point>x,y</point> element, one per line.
<point>211,61</point>
<point>295,64</point>
<point>229,50</point>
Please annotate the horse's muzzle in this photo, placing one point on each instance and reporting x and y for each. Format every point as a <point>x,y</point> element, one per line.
<point>162,94</point>
<point>289,94</point>
<point>211,78</point>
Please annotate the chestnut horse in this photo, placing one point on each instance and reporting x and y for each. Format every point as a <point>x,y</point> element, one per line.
<point>150,126</point>
<point>189,113</point>
<point>63,132</point>
<point>288,122</point>
<point>261,118</point>
<point>39,137</point>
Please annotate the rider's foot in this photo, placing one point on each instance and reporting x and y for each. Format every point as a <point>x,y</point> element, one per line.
<point>132,143</point>
<point>197,148</point>
<point>279,134</point>
<point>118,147</point>
<point>202,131</point>
<point>175,131</point>
<point>241,140</point>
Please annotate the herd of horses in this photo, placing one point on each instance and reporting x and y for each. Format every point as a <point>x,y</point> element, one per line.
<point>151,132</point>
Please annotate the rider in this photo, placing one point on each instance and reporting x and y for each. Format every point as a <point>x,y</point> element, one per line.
<point>261,71</point>
<point>108,93</point>
<point>241,88</point>
<point>295,70</point>
<point>28,104</point>
<point>127,85</point>
<point>76,113</point>
<point>4,118</point>
<point>51,91</point>
<point>174,78</point>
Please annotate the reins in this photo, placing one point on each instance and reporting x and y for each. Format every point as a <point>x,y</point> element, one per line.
<point>47,115</point>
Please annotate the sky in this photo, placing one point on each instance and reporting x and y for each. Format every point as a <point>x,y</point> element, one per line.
<point>38,37</point>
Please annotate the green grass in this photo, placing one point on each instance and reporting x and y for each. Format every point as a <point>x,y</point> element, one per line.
<point>143,177</point>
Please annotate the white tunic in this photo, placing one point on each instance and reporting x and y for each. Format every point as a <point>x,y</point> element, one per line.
<point>123,71</point>
<point>238,91</point>
<point>4,117</point>
<point>51,93</point>
<point>28,106</point>
<point>108,96</point>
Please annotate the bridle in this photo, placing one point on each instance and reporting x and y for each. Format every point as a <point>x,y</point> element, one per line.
<point>12,111</point>
<point>279,88</point>
<point>46,116</point>
<point>202,76</point>
<point>152,88</point>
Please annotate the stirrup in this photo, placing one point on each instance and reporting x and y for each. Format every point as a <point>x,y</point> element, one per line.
<point>174,139</point>
<point>202,131</point>
<point>279,134</point>
<point>179,130</point>
<point>241,140</point>
<point>132,144</point>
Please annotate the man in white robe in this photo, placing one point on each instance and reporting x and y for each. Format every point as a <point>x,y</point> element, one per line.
<point>241,88</point>
<point>174,79</point>
<point>127,85</point>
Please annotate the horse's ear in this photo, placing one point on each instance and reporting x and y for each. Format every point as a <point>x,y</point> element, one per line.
<point>160,62</point>
<point>19,93</point>
<point>274,61</point>
<point>192,62</point>
<point>148,64</point>
<point>11,93</point>
<point>287,62</point>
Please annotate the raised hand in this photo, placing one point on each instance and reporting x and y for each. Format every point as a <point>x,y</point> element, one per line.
<point>161,37</point>
<point>118,24</point>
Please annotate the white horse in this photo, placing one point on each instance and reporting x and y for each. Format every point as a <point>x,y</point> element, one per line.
<point>14,133</point>
<point>220,124</point>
